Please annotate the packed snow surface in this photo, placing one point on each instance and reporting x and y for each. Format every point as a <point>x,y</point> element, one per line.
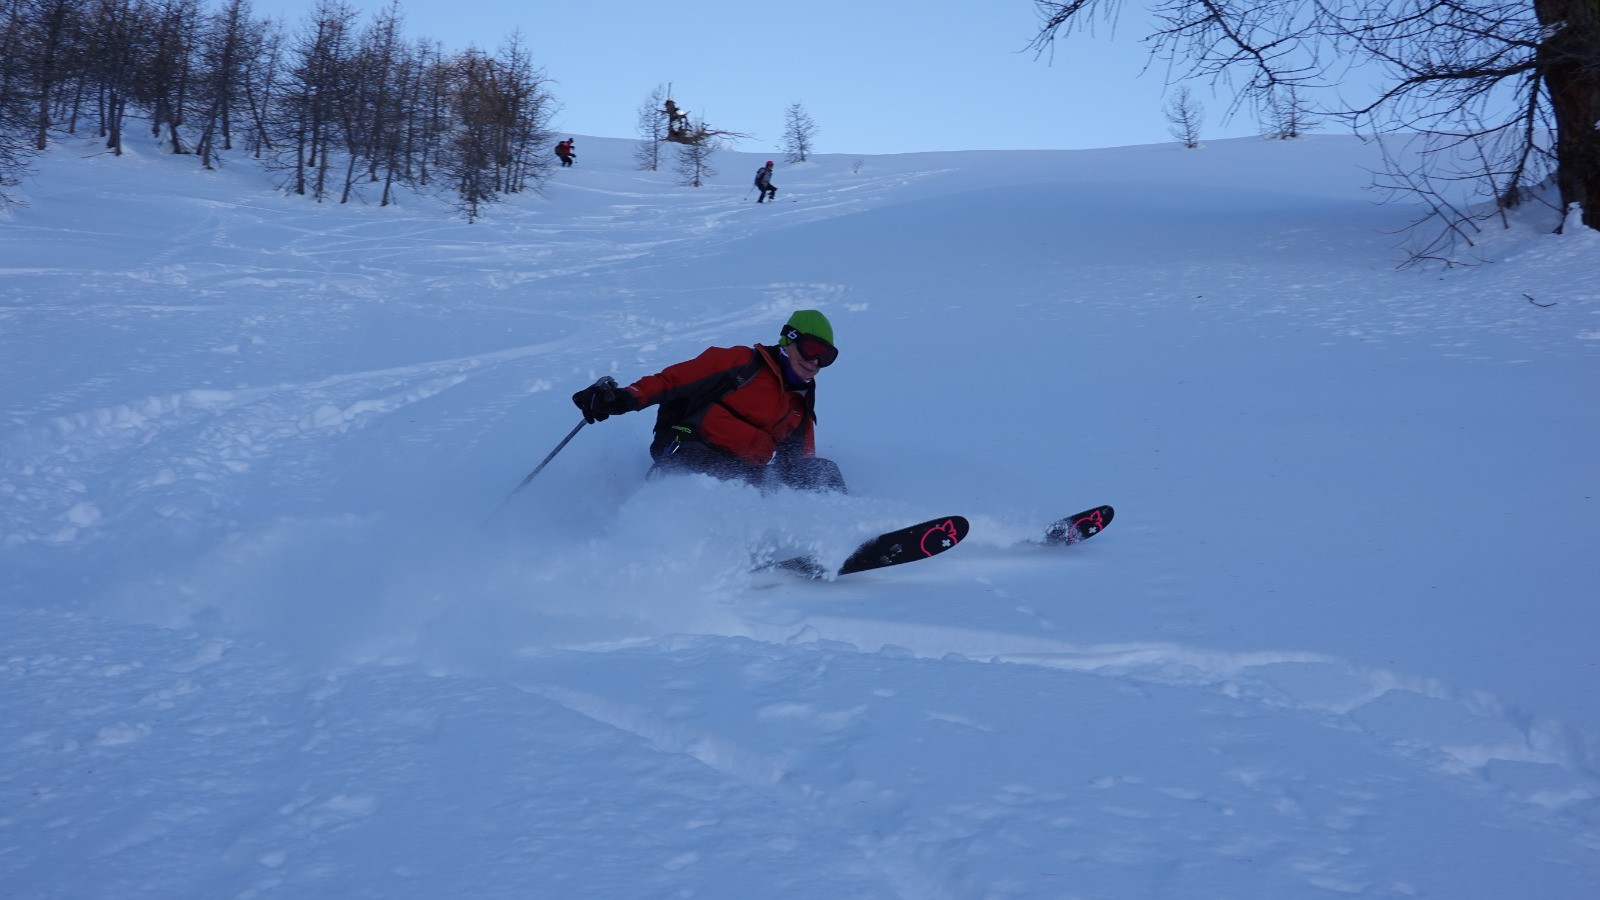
<point>269,627</point>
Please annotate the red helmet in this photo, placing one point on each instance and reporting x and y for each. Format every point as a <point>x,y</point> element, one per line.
<point>769,162</point>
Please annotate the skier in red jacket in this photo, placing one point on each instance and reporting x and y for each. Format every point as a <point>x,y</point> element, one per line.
<point>736,412</point>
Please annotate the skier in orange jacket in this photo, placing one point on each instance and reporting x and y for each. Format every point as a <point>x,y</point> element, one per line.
<point>736,412</point>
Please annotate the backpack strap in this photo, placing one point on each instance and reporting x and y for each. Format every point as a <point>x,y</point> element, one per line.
<point>741,377</point>
<point>676,421</point>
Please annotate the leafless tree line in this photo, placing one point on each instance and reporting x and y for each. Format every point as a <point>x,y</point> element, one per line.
<point>339,107</point>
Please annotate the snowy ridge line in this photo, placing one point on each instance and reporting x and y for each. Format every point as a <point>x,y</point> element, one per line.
<point>1468,734</point>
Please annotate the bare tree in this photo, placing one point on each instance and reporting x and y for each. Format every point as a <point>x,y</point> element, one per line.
<point>1286,115</point>
<point>432,112</point>
<point>306,113</point>
<point>165,75</point>
<point>16,151</point>
<point>52,53</point>
<point>230,39</point>
<point>799,134</point>
<point>333,103</point>
<point>468,155</point>
<point>112,50</point>
<point>501,114</point>
<point>15,157</point>
<point>358,76</point>
<point>652,130</point>
<point>380,115</point>
<point>262,76</point>
<point>694,159</point>
<point>1512,85</point>
<point>1185,115</point>
<point>527,107</point>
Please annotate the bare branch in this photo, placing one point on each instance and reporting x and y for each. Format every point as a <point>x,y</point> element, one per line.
<point>1503,95</point>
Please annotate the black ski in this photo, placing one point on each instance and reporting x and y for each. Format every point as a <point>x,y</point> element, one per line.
<point>934,537</point>
<point>891,548</point>
<point>1079,526</point>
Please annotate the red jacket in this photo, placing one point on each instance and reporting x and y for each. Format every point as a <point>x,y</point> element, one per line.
<point>754,420</point>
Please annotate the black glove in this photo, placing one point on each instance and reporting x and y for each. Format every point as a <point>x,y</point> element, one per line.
<point>602,400</point>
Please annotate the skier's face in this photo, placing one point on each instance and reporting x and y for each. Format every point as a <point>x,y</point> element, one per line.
<point>803,369</point>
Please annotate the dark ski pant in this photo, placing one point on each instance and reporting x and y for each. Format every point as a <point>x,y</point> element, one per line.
<point>806,473</point>
<point>566,160</point>
<point>767,191</point>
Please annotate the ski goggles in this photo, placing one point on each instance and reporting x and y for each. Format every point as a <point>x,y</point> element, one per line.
<point>811,347</point>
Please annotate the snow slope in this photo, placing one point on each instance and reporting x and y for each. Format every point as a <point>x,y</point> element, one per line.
<point>267,630</point>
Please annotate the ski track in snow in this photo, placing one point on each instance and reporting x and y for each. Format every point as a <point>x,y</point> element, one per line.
<point>47,469</point>
<point>364,734</point>
<point>224,432</point>
<point>1469,735</point>
<point>285,771</point>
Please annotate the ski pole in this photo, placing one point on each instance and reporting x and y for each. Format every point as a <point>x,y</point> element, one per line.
<point>540,468</point>
<point>604,381</point>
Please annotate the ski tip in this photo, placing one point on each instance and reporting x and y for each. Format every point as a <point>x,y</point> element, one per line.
<point>1079,526</point>
<point>909,544</point>
<point>940,535</point>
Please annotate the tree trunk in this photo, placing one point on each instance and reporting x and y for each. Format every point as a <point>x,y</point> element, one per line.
<point>42,140</point>
<point>1568,62</point>
<point>114,107</point>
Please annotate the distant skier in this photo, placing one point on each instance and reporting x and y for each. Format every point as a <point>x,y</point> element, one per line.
<point>764,182</point>
<point>565,151</point>
<point>741,413</point>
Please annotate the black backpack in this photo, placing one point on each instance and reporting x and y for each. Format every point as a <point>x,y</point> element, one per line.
<point>678,418</point>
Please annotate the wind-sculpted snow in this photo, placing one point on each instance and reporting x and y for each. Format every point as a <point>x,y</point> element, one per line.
<point>1470,734</point>
<point>221,434</point>
<point>198,766</point>
<point>269,626</point>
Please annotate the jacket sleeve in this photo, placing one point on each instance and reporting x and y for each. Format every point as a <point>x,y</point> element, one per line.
<point>688,375</point>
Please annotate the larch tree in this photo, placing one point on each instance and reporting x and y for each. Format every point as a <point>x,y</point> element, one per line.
<point>799,134</point>
<point>652,130</point>
<point>1185,115</point>
<point>693,163</point>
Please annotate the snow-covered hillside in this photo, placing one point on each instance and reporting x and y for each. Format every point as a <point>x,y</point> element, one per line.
<point>266,629</point>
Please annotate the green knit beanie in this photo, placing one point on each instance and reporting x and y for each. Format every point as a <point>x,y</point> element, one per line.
<point>809,321</point>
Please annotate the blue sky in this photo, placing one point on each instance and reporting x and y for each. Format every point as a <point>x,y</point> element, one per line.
<point>877,77</point>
